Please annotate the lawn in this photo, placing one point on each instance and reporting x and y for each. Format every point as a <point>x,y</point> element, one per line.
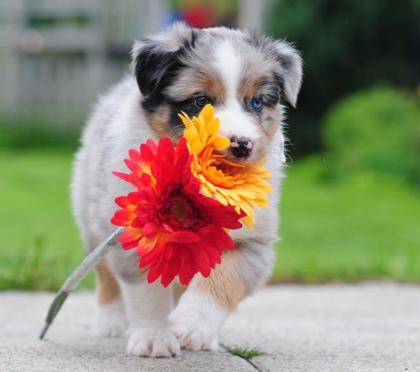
<point>360,227</point>
<point>39,243</point>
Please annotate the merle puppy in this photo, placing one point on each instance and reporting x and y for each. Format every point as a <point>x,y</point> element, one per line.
<point>246,77</point>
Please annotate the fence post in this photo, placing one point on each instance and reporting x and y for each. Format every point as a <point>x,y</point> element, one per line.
<point>252,13</point>
<point>11,25</point>
<point>157,11</point>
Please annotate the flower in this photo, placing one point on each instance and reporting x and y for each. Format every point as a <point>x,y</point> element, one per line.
<point>174,228</point>
<point>242,186</point>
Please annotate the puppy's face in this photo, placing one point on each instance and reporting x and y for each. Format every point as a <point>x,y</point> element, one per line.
<point>242,75</point>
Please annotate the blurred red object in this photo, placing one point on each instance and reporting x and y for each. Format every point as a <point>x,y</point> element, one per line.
<point>200,15</point>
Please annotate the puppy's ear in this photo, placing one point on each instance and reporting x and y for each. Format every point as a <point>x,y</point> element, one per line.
<point>290,72</point>
<point>155,60</point>
<point>151,63</point>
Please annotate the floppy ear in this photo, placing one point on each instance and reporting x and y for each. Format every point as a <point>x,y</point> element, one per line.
<point>151,63</point>
<point>290,73</point>
<point>156,60</point>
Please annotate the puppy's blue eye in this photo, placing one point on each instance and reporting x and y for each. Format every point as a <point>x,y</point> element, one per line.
<point>257,104</point>
<point>201,101</point>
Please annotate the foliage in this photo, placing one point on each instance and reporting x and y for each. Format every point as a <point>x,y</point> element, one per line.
<point>377,129</point>
<point>37,134</point>
<point>347,46</point>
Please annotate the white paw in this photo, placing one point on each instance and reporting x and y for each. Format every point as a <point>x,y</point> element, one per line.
<point>110,320</point>
<point>193,332</point>
<point>153,343</point>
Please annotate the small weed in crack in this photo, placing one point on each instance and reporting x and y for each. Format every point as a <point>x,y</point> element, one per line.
<point>244,352</point>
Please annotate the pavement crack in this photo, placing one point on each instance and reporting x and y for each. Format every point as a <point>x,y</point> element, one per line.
<point>249,361</point>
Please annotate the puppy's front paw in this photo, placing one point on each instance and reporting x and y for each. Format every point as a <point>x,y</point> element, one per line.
<point>110,320</point>
<point>153,343</point>
<point>193,332</point>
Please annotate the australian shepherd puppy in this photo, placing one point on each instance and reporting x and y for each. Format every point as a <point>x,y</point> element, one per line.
<point>246,77</point>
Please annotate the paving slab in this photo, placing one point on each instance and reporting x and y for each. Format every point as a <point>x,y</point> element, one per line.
<point>362,327</point>
<point>71,346</point>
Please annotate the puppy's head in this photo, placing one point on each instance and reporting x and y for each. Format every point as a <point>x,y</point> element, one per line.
<point>244,76</point>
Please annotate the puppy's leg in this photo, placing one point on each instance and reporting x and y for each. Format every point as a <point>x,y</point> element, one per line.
<point>110,320</point>
<point>148,307</point>
<point>204,306</point>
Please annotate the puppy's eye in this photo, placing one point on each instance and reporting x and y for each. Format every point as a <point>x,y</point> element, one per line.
<point>257,104</point>
<point>201,100</point>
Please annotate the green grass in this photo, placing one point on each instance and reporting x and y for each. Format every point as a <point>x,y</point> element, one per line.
<point>39,243</point>
<point>363,226</point>
<point>360,227</point>
<point>245,353</point>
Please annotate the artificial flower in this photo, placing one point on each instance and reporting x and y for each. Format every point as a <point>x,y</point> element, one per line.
<point>175,229</point>
<point>242,186</point>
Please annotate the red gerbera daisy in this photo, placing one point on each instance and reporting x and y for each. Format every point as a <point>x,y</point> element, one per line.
<point>175,229</point>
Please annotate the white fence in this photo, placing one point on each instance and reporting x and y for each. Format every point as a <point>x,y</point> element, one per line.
<point>56,55</point>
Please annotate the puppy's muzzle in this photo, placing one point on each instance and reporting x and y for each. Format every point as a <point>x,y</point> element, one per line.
<point>241,147</point>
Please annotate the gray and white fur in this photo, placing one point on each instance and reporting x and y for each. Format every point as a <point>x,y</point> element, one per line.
<point>246,77</point>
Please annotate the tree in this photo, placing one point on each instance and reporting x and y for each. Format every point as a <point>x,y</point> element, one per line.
<point>347,45</point>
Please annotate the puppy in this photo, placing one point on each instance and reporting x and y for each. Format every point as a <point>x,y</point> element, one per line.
<point>245,77</point>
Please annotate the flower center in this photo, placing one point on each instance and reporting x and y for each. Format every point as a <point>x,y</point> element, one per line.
<point>180,212</point>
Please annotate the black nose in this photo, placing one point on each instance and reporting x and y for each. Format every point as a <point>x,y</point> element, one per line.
<point>240,147</point>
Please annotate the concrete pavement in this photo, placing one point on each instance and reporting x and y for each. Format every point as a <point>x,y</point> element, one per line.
<point>362,327</point>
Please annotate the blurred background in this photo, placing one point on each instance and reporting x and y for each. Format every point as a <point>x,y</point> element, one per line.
<point>351,200</point>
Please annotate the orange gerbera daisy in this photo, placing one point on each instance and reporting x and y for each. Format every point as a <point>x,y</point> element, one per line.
<point>242,186</point>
